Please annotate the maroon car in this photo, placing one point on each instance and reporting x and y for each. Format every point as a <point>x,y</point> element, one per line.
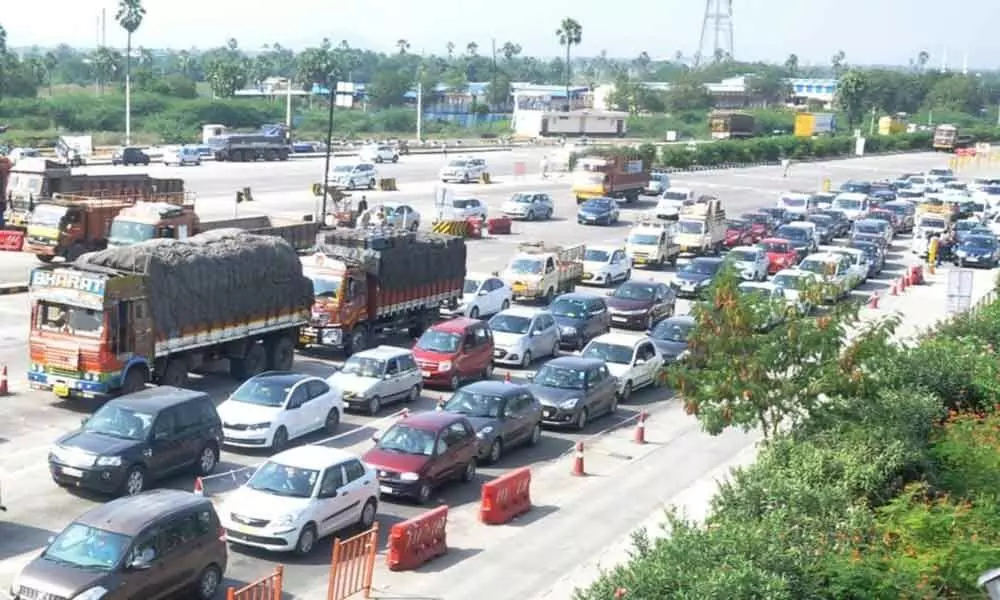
<point>423,451</point>
<point>640,304</point>
<point>760,225</point>
<point>738,233</point>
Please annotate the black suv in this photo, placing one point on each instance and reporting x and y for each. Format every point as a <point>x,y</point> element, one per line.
<point>149,546</point>
<point>130,156</point>
<point>137,438</point>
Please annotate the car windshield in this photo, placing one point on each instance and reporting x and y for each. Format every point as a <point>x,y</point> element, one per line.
<point>672,331</point>
<point>814,266</point>
<point>965,225</point>
<point>124,233</point>
<point>526,266</point>
<point>867,228</point>
<point>565,378</point>
<point>789,282</point>
<point>507,323</point>
<point>635,291</point>
<point>474,405</point>
<point>678,196</point>
<point>324,287</point>
<point>596,256</point>
<point>760,219</point>
<point>870,249</point>
<point>775,247</point>
<point>932,223</point>
<point>521,198</point>
<point>991,190</point>
<point>437,341</point>
<point>898,209</point>
<point>917,180</point>
<point>87,547</point>
<point>848,204</point>
<point>573,309</point>
<point>77,320</point>
<point>700,268</point>
<point>458,163</point>
<point>284,480</point>
<point>793,202</point>
<point>465,203</point>
<point>343,168</point>
<point>265,391</point>
<point>821,220</point>
<point>609,353</point>
<point>981,241</point>
<point>407,440</point>
<point>114,420</point>
<point>596,206</point>
<point>643,239</point>
<point>793,233</point>
<point>366,366</point>
<point>691,227</point>
<point>742,256</point>
<point>471,286</point>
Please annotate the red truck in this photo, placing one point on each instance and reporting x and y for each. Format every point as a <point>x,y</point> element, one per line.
<point>609,175</point>
<point>367,287</point>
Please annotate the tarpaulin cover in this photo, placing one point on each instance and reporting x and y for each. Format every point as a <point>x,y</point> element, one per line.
<point>399,259</point>
<point>213,278</point>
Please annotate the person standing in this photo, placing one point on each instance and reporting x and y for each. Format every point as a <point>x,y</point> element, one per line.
<point>786,164</point>
<point>545,167</point>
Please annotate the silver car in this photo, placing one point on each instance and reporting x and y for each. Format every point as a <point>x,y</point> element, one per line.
<point>522,334</point>
<point>466,208</point>
<point>529,206</point>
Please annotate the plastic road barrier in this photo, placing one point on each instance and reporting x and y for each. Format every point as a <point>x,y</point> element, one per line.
<point>498,226</point>
<point>388,184</point>
<point>417,541</point>
<point>265,588</point>
<point>916,275</point>
<point>11,241</point>
<point>474,227</point>
<point>506,497</point>
<point>457,228</point>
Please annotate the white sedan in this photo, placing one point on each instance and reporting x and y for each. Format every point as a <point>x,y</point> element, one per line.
<point>272,408</point>
<point>605,265</point>
<point>299,496</point>
<point>633,360</point>
<point>483,295</point>
<point>794,282</point>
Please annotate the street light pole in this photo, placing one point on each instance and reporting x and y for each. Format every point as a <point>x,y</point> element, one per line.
<point>329,143</point>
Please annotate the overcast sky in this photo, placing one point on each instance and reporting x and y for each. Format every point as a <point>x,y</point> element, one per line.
<point>868,31</point>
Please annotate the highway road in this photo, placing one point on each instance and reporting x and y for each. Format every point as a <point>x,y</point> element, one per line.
<point>30,421</point>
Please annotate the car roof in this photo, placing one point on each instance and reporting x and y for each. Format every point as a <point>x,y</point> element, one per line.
<point>793,272</point>
<point>707,260</point>
<point>456,325</point>
<point>853,195</point>
<point>575,362</point>
<point>312,456</point>
<point>284,378</point>
<point>384,352</point>
<point>618,338</point>
<point>604,247</point>
<point>522,311</point>
<point>577,296</point>
<point>686,320</point>
<point>478,275</point>
<point>431,420</point>
<point>129,515</point>
<point>836,249</point>
<point>879,221</point>
<point>823,256</point>
<point>744,248</point>
<point>757,285</point>
<point>774,240</point>
<point>157,398</point>
<point>493,387</point>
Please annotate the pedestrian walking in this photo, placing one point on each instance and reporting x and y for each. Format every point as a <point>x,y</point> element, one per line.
<point>786,164</point>
<point>545,167</point>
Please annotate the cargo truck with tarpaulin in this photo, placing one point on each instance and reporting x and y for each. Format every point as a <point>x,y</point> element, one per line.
<point>120,318</point>
<point>948,138</point>
<point>809,124</point>
<point>609,174</point>
<point>731,125</point>
<point>369,285</point>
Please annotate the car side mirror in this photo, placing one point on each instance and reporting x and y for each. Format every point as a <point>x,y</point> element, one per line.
<point>330,494</point>
<point>640,361</point>
<point>536,332</point>
<point>84,421</point>
<point>49,541</point>
<point>375,438</point>
<point>387,376</point>
<point>482,293</point>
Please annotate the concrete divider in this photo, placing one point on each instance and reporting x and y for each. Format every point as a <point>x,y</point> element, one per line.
<point>11,240</point>
<point>417,541</point>
<point>506,497</point>
<point>13,288</point>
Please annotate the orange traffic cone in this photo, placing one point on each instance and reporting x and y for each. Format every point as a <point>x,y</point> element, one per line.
<point>873,301</point>
<point>506,377</point>
<point>640,429</point>
<point>578,461</point>
<point>894,290</point>
<point>199,489</point>
<point>4,390</point>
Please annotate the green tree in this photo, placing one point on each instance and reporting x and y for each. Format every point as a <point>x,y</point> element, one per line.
<point>499,90</point>
<point>389,85</point>
<point>129,17</point>
<point>510,51</point>
<point>226,69</point>
<point>687,92</point>
<point>956,92</point>
<point>450,49</point>
<point>770,86</point>
<point>403,46</point>
<point>570,33</point>
<point>837,63</point>
<point>50,62</point>
<point>317,66</point>
<point>792,65</point>
<point>854,95</point>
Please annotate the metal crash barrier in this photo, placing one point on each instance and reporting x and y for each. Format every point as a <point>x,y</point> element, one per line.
<point>388,184</point>
<point>459,228</point>
<point>11,241</point>
<point>265,588</point>
<point>353,565</point>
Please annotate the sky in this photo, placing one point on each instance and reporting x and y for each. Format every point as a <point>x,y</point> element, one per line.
<point>868,31</point>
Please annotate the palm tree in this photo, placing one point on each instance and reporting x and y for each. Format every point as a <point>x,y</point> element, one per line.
<point>450,48</point>
<point>3,41</point>
<point>510,50</point>
<point>184,63</point>
<point>922,59</point>
<point>472,48</point>
<point>105,64</point>
<point>129,16</point>
<point>403,46</point>
<point>50,62</point>
<point>570,34</point>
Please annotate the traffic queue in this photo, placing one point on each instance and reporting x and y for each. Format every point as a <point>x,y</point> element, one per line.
<point>583,352</point>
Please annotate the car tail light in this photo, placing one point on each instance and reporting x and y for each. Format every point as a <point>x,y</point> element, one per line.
<point>222,533</point>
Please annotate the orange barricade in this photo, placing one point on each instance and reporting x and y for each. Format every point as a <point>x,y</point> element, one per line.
<point>417,541</point>
<point>352,565</point>
<point>11,241</point>
<point>498,225</point>
<point>520,168</point>
<point>506,497</point>
<point>265,588</point>
<point>474,227</point>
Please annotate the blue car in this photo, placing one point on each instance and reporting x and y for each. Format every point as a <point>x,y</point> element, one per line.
<point>978,251</point>
<point>599,211</point>
<point>581,318</point>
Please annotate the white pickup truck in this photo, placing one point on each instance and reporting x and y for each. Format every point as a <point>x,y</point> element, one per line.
<point>701,228</point>
<point>540,272</point>
<point>651,244</point>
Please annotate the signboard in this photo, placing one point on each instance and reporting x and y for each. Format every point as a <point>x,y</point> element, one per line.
<point>960,290</point>
<point>859,146</point>
<point>69,287</point>
<point>442,200</point>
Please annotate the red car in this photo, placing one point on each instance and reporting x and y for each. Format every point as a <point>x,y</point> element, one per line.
<point>780,254</point>
<point>455,351</point>
<point>423,451</point>
<point>760,225</point>
<point>738,233</point>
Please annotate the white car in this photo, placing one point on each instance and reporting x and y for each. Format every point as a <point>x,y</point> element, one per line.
<point>379,154</point>
<point>793,282</point>
<point>466,208</point>
<point>833,269</point>
<point>775,306</point>
<point>669,205</point>
<point>272,408</point>
<point>633,360</point>
<point>658,183</point>
<point>605,265</point>
<point>482,296</point>
<point>796,204</point>
<point>750,262</point>
<point>522,335</point>
<point>378,376</point>
<point>185,155</point>
<point>854,205</point>
<point>858,272</point>
<point>299,496</point>
<point>529,206</point>
<point>353,176</point>
<point>401,216</point>
<point>464,170</point>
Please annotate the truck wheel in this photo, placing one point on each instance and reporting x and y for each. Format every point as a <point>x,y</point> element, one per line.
<point>548,296</point>
<point>135,380</point>
<point>253,363</point>
<point>45,258</point>
<point>281,354</point>
<point>175,374</point>
<point>357,341</point>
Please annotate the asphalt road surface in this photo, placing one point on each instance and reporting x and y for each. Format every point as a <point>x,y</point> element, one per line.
<point>30,421</point>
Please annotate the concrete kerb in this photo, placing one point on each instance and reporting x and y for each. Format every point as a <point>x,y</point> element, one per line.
<point>13,288</point>
<point>776,163</point>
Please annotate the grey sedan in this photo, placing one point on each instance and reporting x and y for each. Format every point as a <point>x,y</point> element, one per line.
<point>575,390</point>
<point>504,415</point>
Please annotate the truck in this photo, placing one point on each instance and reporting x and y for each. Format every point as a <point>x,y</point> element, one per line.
<point>948,138</point>
<point>726,125</point>
<point>540,272</point>
<point>368,285</point>
<point>271,142</point>
<point>809,124</point>
<point>651,243</point>
<point>163,220</point>
<point>889,125</point>
<point>701,227</point>
<point>117,319</point>
<point>609,175</point>
<point>74,150</point>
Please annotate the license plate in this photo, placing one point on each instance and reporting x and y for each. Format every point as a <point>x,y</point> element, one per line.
<point>518,289</point>
<point>72,472</point>
<point>305,339</point>
<point>619,319</point>
<point>497,354</point>
<point>60,389</point>
<point>425,374</point>
<point>385,489</point>
<point>246,529</point>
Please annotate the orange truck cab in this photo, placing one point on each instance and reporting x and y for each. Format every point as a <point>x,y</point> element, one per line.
<point>611,176</point>
<point>70,226</point>
<point>455,351</point>
<point>152,220</point>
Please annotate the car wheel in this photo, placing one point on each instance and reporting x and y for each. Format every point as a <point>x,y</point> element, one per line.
<point>488,371</point>
<point>455,382</point>
<point>530,216</point>
<point>135,481</point>
<point>307,540</point>
<point>374,405</point>
<point>613,407</point>
<point>368,513</point>
<point>371,184</point>
<point>582,418</point>
<point>332,422</point>
<point>424,493</point>
<point>505,305</point>
<point>395,159</point>
<point>474,312</point>
<point>207,460</point>
<point>470,471</point>
<point>208,582</point>
<point>628,275</point>
<point>280,440</point>
<point>496,451</point>
<point>526,360</point>
<point>536,434</point>
<point>626,392</point>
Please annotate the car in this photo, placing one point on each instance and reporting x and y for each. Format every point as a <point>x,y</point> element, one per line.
<point>779,216</point>
<point>464,170</point>
<point>799,237</point>
<point>833,270</point>
<point>605,265</point>
<point>854,205</point>
<point>875,254</point>
<point>670,336</point>
<point>422,452</point>
<point>599,211</point>
<point>522,334</point>
<point>761,225</point>
<point>794,282</point>
<point>154,546</point>
<point>454,351</point>
<point>483,295</point>
<point>796,204</point>
<point>878,240</point>
<point>378,376</point>
<point>824,227</point>
<point>129,155</point>
<point>940,173</point>
<point>840,225</point>
<point>379,153</point>
<point>672,200</point>
<point>270,409</point>
<point>963,228</point>
<point>640,304</point>
<point>750,262</point>
<point>401,216</point>
<point>780,254</point>
<point>138,438</point>
<point>738,233</point>
<point>529,206</point>
<point>694,278</point>
<point>823,200</point>
<point>299,496</point>
<point>879,197</point>
<point>856,187</point>
<point>658,183</point>
<point>184,155</point>
<point>860,266</point>
<point>466,208</point>
<point>575,390</point>
<point>913,194</point>
<point>354,175</point>
<point>772,309</point>
<point>580,317</point>
<point>873,227</point>
<point>888,216</point>
<point>504,416</point>
<point>634,361</point>
<point>978,250</point>
<point>905,214</point>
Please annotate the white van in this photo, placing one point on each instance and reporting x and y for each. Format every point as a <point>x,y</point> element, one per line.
<point>354,175</point>
<point>672,200</point>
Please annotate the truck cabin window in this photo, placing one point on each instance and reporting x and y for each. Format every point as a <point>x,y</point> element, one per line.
<point>324,287</point>
<point>691,227</point>
<point>48,215</point>
<point>643,239</point>
<point>526,266</point>
<point>130,232</point>
<point>64,318</point>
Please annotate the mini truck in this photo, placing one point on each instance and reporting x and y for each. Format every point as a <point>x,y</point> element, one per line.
<point>117,319</point>
<point>701,227</point>
<point>609,175</point>
<point>368,286</point>
<point>651,244</point>
<point>540,272</point>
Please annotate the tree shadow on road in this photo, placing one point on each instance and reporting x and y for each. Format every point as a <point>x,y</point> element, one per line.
<point>19,539</point>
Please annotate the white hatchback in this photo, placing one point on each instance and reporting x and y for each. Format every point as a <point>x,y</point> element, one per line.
<point>184,155</point>
<point>633,360</point>
<point>378,376</point>
<point>605,265</point>
<point>482,296</point>
<point>379,154</point>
